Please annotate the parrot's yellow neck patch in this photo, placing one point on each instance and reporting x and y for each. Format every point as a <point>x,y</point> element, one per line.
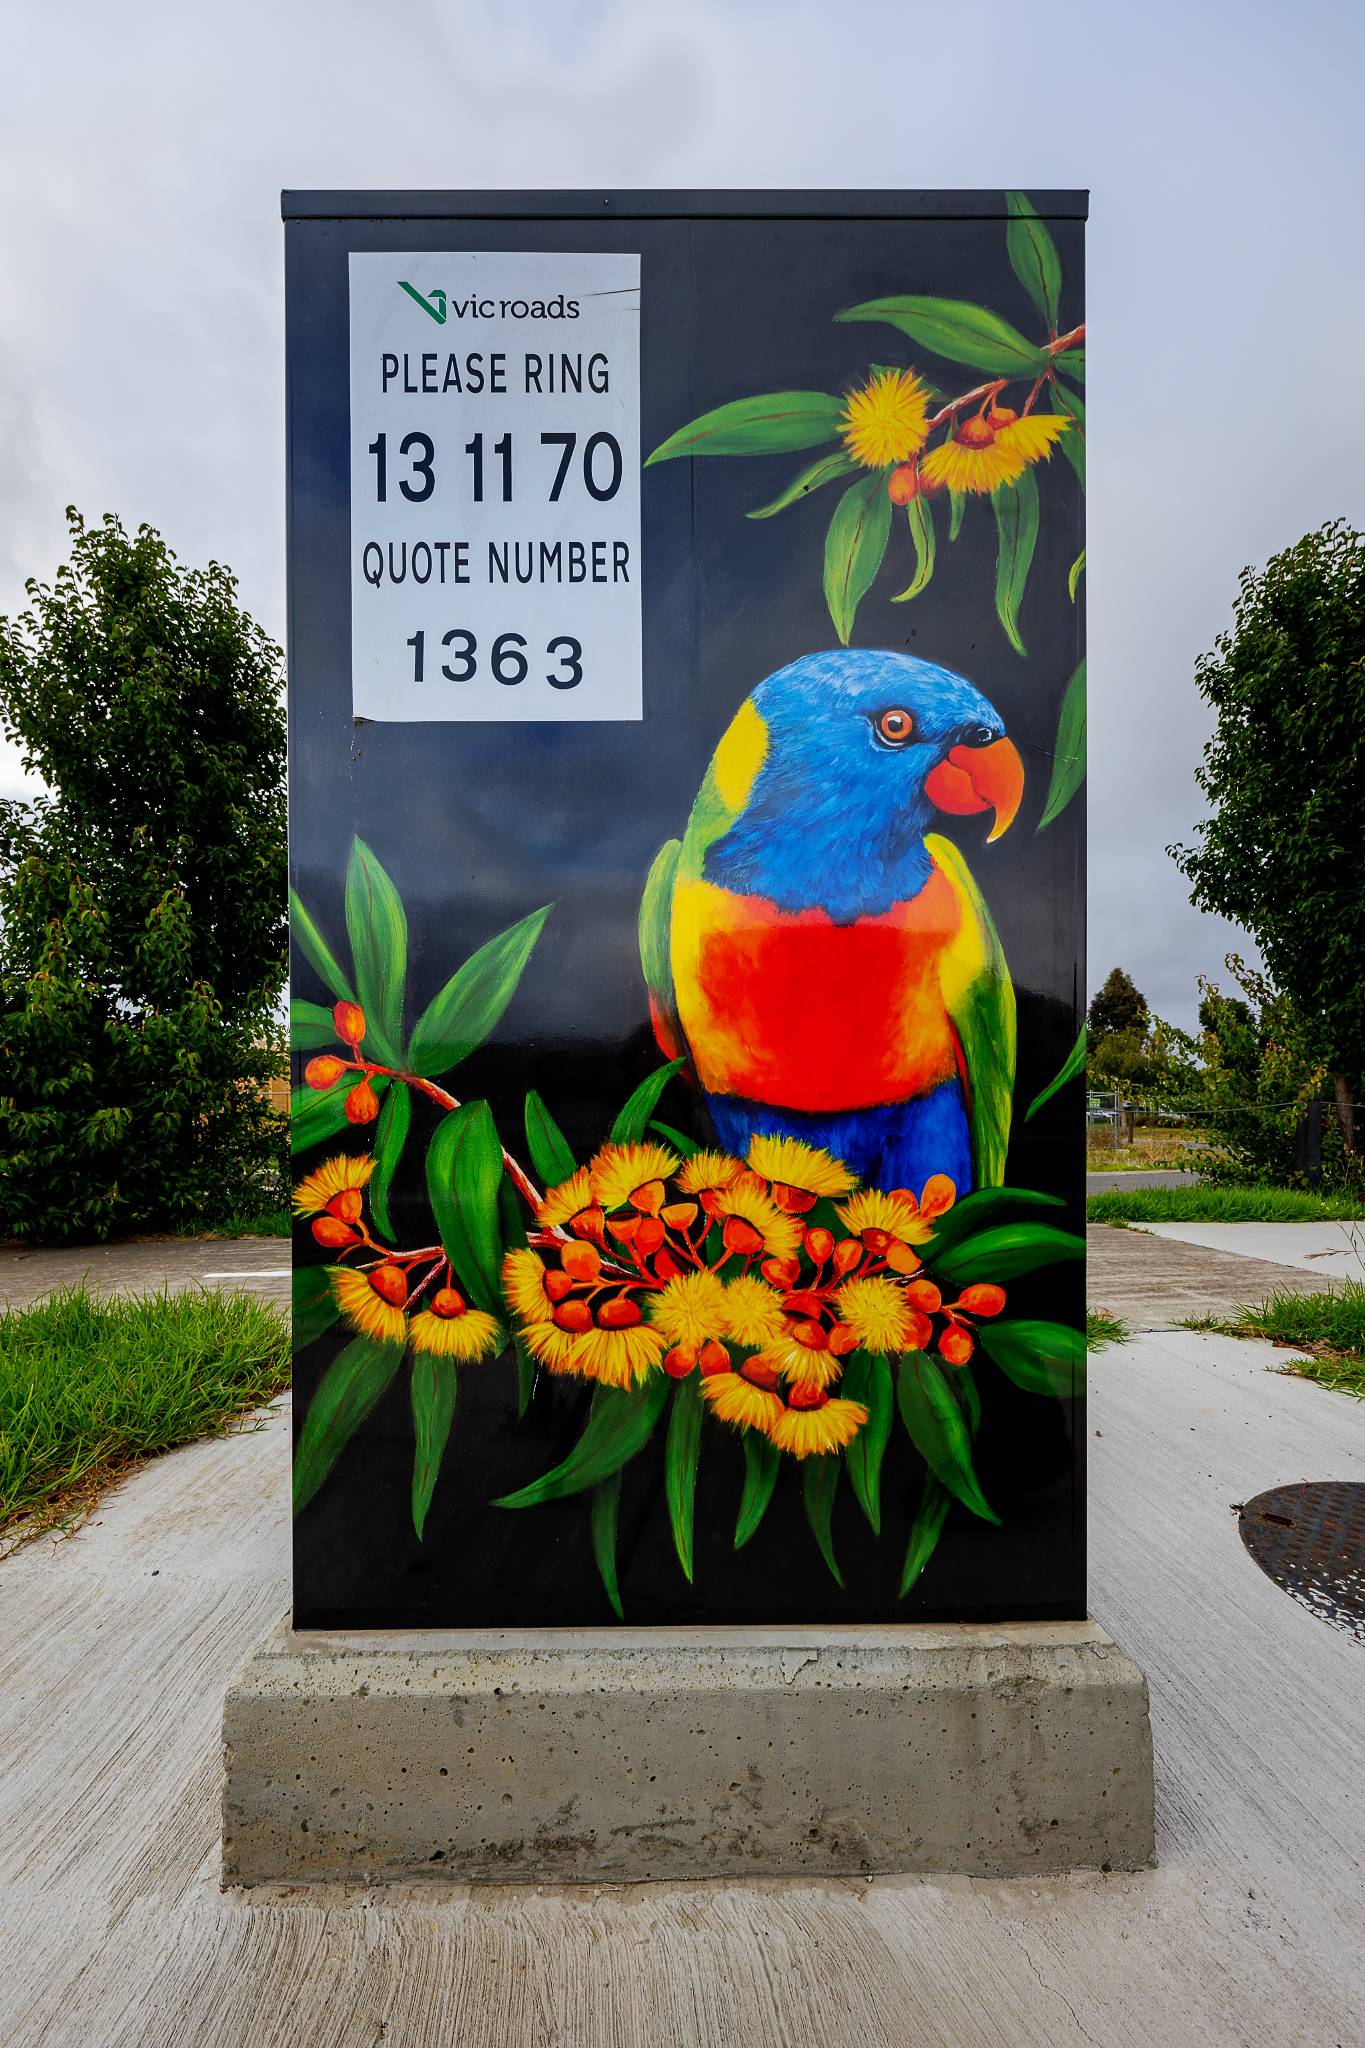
<point>740,755</point>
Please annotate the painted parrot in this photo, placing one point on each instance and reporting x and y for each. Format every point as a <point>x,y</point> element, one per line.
<point>824,962</point>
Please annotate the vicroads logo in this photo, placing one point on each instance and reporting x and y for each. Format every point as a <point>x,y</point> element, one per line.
<point>433,302</point>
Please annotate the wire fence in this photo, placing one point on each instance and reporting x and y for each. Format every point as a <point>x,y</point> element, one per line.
<point>1308,1139</point>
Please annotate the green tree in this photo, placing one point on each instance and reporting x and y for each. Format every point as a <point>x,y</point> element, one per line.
<point>1118,1005</point>
<point>1284,770</point>
<point>142,898</point>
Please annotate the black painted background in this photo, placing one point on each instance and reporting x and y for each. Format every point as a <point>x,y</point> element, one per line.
<point>479,824</point>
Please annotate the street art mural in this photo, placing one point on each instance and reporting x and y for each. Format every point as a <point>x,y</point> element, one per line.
<point>689,1158</point>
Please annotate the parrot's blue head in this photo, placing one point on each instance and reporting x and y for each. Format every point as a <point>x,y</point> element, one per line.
<point>837,765</point>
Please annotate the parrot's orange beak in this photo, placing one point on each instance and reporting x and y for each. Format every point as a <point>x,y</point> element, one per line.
<point>987,778</point>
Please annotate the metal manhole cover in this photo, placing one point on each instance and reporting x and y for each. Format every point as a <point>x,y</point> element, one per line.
<point>1310,1539</point>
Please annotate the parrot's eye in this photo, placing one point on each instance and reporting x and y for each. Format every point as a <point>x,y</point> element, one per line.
<point>977,735</point>
<point>894,728</point>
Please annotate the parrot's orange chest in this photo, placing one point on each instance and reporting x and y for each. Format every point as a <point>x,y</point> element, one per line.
<point>793,1009</point>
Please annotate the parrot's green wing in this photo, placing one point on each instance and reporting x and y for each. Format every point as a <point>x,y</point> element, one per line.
<point>656,918</point>
<point>979,996</point>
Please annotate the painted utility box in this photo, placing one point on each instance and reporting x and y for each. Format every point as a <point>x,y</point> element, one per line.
<point>687,683</point>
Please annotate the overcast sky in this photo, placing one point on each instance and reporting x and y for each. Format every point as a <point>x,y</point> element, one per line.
<point>141,355</point>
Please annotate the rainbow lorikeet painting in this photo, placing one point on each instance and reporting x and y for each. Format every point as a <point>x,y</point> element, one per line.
<point>825,962</point>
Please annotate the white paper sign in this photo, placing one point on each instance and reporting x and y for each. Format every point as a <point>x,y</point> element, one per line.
<point>495,486</point>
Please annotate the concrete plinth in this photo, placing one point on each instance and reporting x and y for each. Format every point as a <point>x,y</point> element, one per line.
<point>681,1753</point>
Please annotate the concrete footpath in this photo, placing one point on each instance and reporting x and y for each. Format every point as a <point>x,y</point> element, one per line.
<point>1157,1283</point>
<point>117,1645</point>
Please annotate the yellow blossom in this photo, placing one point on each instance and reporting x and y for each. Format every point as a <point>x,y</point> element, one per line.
<point>566,1201</point>
<point>523,1282</point>
<point>706,1171</point>
<point>1016,447</point>
<point>797,1165</point>
<point>877,1313</point>
<point>814,1432</point>
<point>465,1338</point>
<point>619,1169</point>
<point>732,1399</point>
<point>746,1204</point>
<point>887,420</point>
<point>614,1358</point>
<point>799,1365</point>
<point>871,1209</point>
<point>365,1310</point>
<point>753,1311</point>
<point>333,1177</point>
<point>690,1308</point>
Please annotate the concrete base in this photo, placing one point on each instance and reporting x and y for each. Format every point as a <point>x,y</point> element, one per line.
<point>686,1753</point>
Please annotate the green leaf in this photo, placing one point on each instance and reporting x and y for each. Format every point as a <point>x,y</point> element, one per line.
<point>546,1143</point>
<point>819,1482</point>
<point>936,1427</point>
<point>957,505</point>
<point>1033,257</point>
<point>620,1423</point>
<point>963,1384</point>
<point>867,1378</point>
<point>921,518</point>
<point>1005,1252</point>
<point>390,1135</point>
<point>526,1374</point>
<point>854,547</point>
<point>682,1451</point>
<point>433,1411</point>
<point>318,1113</point>
<point>762,1461</point>
<point>770,424</point>
<point>1072,361</point>
<point>464,1174</point>
<point>822,472</point>
<point>316,951</point>
<point>606,1505</point>
<point>1016,531</point>
<point>684,1146</point>
<point>981,1211</point>
<point>1074,575</point>
<point>313,1304</point>
<point>629,1127</point>
<point>378,931</point>
<point>348,1390</point>
<point>1042,1358</point>
<point>958,331</point>
<point>925,1531</point>
<point>310,1026</point>
<point>1069,751</point>
<point>1073,1064</point>
<point>1069,406</point>
<point>458,1020</point>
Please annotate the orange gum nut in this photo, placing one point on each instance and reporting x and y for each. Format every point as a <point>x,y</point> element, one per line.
<point>620,1313</point>
<point>587,1223</point>
<point>900,1257</point>
<point>680,1361</point>
<point>924,1295</point>
<point>794,1201</point>
<point>877,1240</point>
<point>713,1358</point>
<point>573,1316</point>
<point>624,1227</point>
<point>955,1345</point>
<point>806,1397</point>
<point>649,1197</point>
<point>346,1205</point>
<point>976,433</point>
<point>819,1243</point>
<point>802,1303</point>
<point>666,1266</point>
<point>842,1340</point>
<point>739,1236</point>
<point>982,1299</point>
<point>759,1373</point>
<point>903,483</point>
<point>321,1072</point>
<point>847,1253</point>
<point>390,1283</point>
<point>447,1302</point>
<point>680,1215</point>
<point>782,1273</point>
<point>581,1261</point>
<point>362,1105</point>
<point>812,1335</point>
<point>348,1021</point>
<point>921,1330</point>
<point>558,1284</point>
<point>649,1236</point>
<point>330,1230</point>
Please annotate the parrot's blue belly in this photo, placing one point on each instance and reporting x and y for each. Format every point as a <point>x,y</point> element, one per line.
<point>895,1145</point>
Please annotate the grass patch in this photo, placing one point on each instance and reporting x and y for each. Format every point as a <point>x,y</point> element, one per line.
<point>1199,1203</point>
<point>87,1387</point>
<point>255,1223</point>
<point>1101,1328</point>
<point>1329,1327</point>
